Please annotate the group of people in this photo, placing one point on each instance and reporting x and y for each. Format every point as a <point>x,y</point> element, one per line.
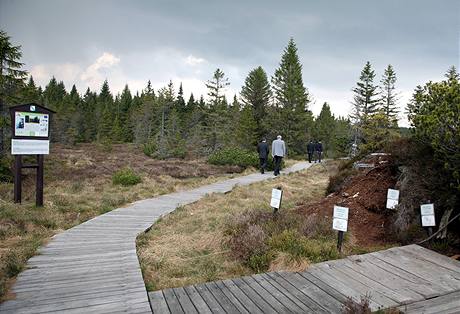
<point>314,150</point>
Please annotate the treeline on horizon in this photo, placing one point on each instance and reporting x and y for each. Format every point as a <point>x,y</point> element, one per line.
<point>167,125</point>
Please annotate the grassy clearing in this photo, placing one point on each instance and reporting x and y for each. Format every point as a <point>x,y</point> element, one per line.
<point>193,244</point>
<point>71,200</point>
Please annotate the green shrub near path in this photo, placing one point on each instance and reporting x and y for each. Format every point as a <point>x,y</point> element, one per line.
<point>126,177</point>
<point>238,157</point>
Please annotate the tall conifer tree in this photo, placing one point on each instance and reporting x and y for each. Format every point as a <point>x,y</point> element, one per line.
<point>292,100</point>
<point>389,96</point>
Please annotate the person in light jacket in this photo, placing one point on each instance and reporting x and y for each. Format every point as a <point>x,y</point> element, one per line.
<point>262,149</point>
<point>278,153</point>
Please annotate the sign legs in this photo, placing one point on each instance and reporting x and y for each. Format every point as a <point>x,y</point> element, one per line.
<point>340,241</point>
<point>39,190</point>
<point>17,178</point>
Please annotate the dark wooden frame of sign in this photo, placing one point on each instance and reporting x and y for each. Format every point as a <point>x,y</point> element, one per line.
<point>18,166</point>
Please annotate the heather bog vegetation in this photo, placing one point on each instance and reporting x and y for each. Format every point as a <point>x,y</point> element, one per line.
<point>235,234</point>
<point>82,183</point>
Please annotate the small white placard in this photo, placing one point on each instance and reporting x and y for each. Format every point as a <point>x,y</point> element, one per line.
<point>276,193</point>
<point>428,221</point>
<point>427,209</point>
<point>391,204</point>
<point>276,198</point>
<point>30,147</point>
<point>341,212</point>
<point>393,194</point>
<point>275,203</point>
<point>340,224</point>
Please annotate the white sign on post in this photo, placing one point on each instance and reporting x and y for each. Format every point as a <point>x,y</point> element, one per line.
<point>276,198</point>
<point>392,198</point>
<point>427,212</point>
<point>30,147</point>
<point>340,218</point>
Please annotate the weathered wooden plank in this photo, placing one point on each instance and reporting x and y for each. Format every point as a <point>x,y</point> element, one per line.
<point>242,297</point>
<point>274,303</point>
<point>449,303</point>
<point>224,302</point>
<point>197,300</point>
<point>207,296</point>
<point>173,304</point>
<point>315,298</point>
<point>184,300</point>
<point>405,288</point>
<point>231,297</point>
<point>158,302</point>
<point>347,268</point>
<point>354,291</point>
<point>426,288</point>
<point>253,296</point>
<point>341,298</point>
<point>433,257</point>
<point>289,291</point>
<point>449,281</point>
<point>277,294</point>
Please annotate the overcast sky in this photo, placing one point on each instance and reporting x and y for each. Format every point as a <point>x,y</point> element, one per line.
<point>131,42</point>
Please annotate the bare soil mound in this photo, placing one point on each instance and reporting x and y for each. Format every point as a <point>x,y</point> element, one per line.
<point>365,194</point>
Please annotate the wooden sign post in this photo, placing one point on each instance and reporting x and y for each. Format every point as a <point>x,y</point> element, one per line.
<point>31,131</point>
<point>277,196</point>
<point>340,223</point>
<point>427,217</point>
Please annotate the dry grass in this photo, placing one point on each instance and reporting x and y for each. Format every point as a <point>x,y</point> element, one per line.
<point>71,200</point>
<point>187,246</point>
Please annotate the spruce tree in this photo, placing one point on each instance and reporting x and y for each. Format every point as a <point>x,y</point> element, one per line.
<point>389,96</point>
<point>126,127</point>
<point>30,92</point>
<point>216,87</point>
<point>366,98</point>
<point>325,127</point>
<point>256,94</point>
<point>11,79</point>
<point>292,98</point>
<point>104,113</point>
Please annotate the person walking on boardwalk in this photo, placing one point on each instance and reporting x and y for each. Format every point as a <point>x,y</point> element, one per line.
<point>262,149</point>
<point>278,152</point>
<point>319,150</point>
<point>310,150</point>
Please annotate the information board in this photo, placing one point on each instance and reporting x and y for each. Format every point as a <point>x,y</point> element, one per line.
<point>33,124</point>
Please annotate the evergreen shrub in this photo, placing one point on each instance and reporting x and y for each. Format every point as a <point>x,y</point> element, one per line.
<point>239,157</point>
<point>234,157</point>
<point>126,177</point>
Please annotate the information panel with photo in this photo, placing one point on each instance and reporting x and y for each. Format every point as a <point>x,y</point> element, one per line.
<point>31,124</point>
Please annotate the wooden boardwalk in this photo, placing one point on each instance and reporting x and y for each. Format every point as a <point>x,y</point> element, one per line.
<point>93,267</point>
<point>411,278</point>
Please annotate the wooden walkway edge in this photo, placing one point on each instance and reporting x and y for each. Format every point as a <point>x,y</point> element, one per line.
<point>410,278</point>
<point>93,267</point>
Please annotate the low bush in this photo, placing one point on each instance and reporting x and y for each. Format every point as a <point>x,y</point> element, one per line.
<point>239,157</point>
<point>255,238</point>
<point>337,181</point>
<point>126,177</point>
<point>234,157</point>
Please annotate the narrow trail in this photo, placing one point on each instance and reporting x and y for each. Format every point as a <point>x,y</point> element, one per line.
<point>93,267</point>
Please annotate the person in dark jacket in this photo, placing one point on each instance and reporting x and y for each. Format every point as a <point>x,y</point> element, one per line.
<point>310,150</point>
<point>319,150</point>
<point>262,149</point>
